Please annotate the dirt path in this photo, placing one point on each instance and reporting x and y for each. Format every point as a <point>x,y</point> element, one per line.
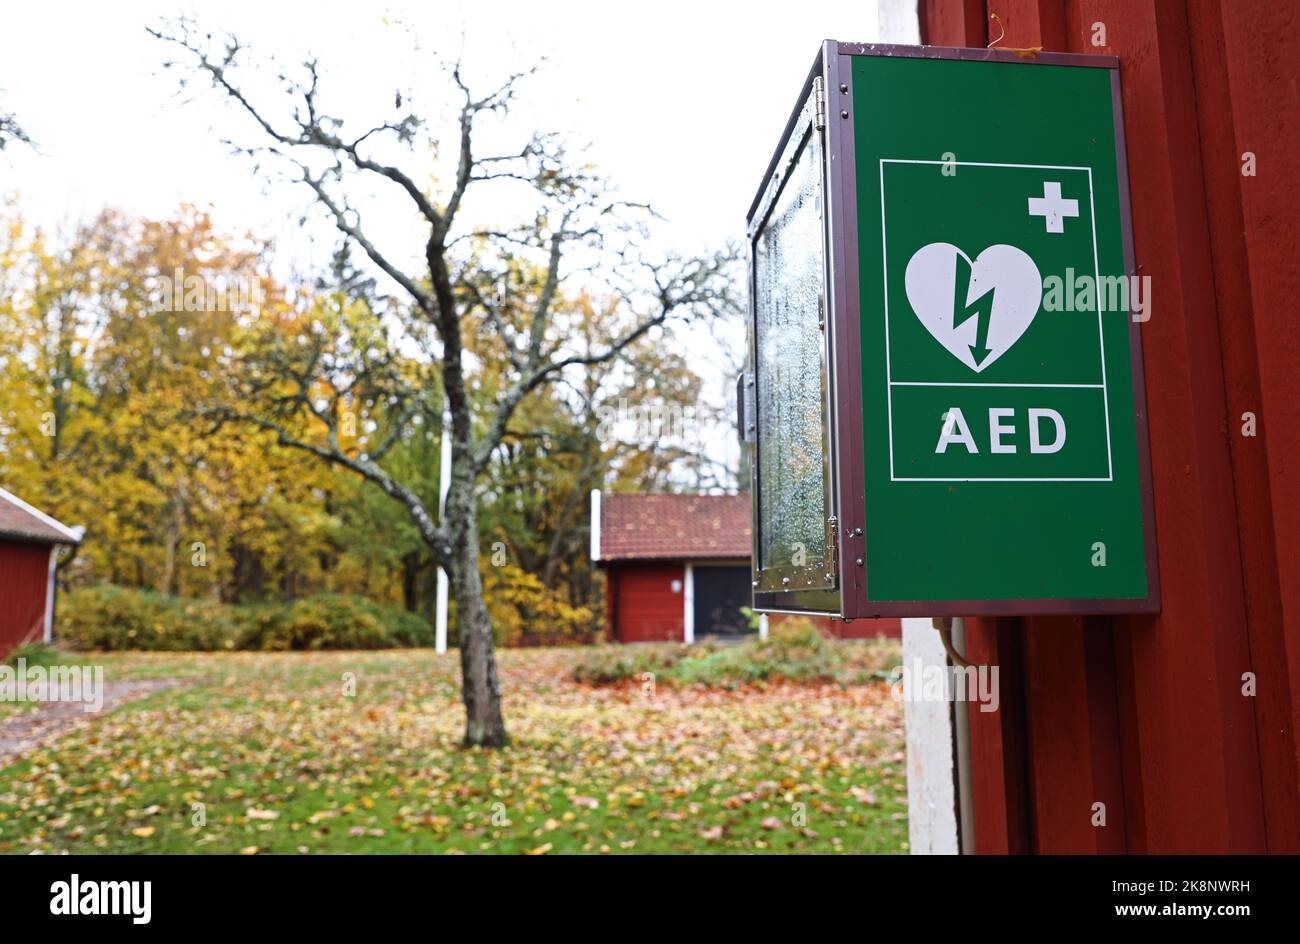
<point>29,729</point>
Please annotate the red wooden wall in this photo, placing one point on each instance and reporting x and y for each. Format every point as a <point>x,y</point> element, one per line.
<point>1147,714</point>
<point>642,604</point>
<point>24,582</point>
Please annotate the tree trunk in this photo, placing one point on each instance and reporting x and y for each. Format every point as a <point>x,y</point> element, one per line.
<point>411,567</point>
<point>480,689</point>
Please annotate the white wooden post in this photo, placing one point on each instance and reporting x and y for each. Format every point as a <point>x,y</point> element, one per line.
<point>688,614</point>
<point>932,800</point>
<point>49,594</point>
<point>444,486</point>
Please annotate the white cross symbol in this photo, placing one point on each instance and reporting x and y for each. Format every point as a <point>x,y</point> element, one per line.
<point>1052,208</point>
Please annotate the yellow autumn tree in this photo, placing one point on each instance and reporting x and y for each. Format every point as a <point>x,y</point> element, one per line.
<point>103,362</point>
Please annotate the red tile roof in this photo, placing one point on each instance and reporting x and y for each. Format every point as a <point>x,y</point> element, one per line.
<point>21,521</point>
<point>665,527</point>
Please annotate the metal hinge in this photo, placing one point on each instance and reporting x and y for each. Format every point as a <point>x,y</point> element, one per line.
<point>832,548</point>
<point>746,408</point>
<point>819,104</point>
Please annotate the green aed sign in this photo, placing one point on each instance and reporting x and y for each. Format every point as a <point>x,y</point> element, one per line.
<point>946,401</point>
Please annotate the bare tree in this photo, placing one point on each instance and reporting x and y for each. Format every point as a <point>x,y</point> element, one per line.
<point>11,131</point>
<point>504,280</point>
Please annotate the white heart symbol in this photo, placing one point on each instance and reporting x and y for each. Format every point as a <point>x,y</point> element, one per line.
<point>1002,279</point>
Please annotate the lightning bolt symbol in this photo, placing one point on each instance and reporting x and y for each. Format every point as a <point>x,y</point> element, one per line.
<point>981,309</point>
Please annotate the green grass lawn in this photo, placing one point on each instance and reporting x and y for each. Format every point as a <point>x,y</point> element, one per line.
<point>267,753</point>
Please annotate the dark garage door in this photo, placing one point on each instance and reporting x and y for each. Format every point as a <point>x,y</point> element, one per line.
<point>720,592</point>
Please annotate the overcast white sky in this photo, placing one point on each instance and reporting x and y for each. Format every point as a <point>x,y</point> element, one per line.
<point>680,103</point>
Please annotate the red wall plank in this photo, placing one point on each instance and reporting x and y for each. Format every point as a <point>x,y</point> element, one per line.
<point>611,595</point>
<point>1204,741</point>
<point>24,581</point>
<point>1072,733</point>
<point>646,608</point>
<point>1000,786</point>
<point>1029,23</point>
<point>952,22</point>
<point>1252,54</point>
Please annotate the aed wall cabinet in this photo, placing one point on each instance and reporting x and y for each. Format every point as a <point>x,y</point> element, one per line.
<point>944,402</point>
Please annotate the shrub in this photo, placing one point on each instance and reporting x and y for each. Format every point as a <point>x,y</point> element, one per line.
<point>794,650</point>
<point>408,629</point>
<point>526,613</point>
<point>610,665</point>
<point>117,618</point>
<point>333,621</point>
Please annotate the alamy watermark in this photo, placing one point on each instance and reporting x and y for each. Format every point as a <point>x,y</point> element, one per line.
<point>228,291</point>
<point>919,682</point>
<point>1087,292</point>
<point>645,423</point>
<point>65,683</point>
<point>78,897</point>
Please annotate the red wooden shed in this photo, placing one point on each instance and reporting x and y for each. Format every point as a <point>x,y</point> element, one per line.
<point>29,544</point>
<point>678,568</point>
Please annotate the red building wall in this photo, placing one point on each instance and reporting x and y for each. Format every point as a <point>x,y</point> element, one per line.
<point>24,582</point>
<point>642,604</point>
<point>1147,714</point>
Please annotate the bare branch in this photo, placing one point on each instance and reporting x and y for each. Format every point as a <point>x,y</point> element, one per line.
<point>353,231</point>
<point>435,537</point>
<point>687,289</point>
